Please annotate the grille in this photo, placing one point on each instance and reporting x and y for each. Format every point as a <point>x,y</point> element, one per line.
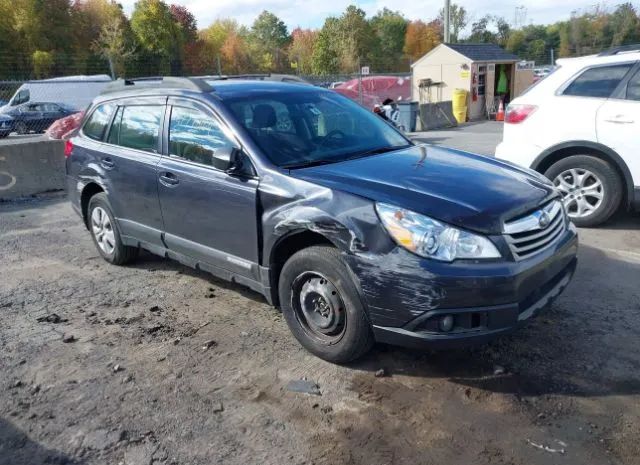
<point>535,232</point>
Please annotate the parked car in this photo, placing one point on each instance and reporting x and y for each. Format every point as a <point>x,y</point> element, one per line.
<point>6,125</point>
<point>63,128</point>
<point>579,126</point>
<point>37,117</point>
<point>357,234</point>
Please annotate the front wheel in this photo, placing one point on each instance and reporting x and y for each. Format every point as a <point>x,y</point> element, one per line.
<point>21,128</point>
<point>322,306</point>
<point>591,188</point>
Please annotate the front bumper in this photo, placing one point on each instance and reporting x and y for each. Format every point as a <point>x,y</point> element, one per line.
<point>407,299</point>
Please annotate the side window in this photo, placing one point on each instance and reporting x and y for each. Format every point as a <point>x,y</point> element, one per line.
<point>98,122</point>
<point>633,88</point>
<point>140,127</point>
<point>195,136</point>
<point>598,82</point>
<point>114,132</point>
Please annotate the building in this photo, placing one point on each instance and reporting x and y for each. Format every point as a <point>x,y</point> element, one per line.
<point>476,68</point>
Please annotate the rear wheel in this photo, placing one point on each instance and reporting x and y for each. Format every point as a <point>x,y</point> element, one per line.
<point>105,233</point>
<point>322,306</point>
<point>591,188</point>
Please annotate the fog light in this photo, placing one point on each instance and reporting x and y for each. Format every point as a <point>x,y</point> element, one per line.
<point>446,323</point>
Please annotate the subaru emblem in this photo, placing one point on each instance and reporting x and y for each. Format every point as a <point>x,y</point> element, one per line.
<point>544,220</point>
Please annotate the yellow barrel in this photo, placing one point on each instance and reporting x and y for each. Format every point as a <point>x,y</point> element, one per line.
<point>459,104</point>
<point>459,98</point>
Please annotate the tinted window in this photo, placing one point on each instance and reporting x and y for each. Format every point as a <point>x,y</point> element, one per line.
<point>633,88</point>
<point>195,136</point>
<point>598,82</point>
<point>301,128</point>
<point>97,123</point>
<point>140,127</point>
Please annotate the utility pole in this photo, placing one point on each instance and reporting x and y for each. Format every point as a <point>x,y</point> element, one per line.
<point>447,21</point>
<point>218,65</point>
<point>553,58</point>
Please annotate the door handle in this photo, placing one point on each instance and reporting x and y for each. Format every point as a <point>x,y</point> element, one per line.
<point>619,119</point>
<point>169,179</point>
<point>107,163</point>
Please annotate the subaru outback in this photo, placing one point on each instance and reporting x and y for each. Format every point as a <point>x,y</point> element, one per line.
<point>357,234</point>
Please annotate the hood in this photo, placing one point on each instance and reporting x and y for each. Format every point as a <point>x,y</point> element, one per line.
<point>466,190</point>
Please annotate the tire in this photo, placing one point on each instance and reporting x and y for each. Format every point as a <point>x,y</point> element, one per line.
<point>21,128</point>
<point>347,335</point>
<point>584,178</point>
<point>105,233</point>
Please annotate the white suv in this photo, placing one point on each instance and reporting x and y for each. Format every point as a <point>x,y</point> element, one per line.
<point>580,126</point>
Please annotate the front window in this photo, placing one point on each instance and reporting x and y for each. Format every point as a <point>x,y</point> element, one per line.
<point>308,128</point>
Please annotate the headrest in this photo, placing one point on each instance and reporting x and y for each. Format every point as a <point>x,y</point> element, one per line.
<point>264,116</point>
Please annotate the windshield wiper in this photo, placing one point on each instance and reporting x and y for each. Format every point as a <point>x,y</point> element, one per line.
<point>377,151</point>
<point>307,164</point>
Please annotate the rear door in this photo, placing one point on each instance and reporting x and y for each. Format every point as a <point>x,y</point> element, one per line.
<point>209,215</point>
<point>618,123</point>
<point>129,158</point>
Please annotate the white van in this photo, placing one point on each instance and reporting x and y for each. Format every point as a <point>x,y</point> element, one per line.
<point>74,91</point>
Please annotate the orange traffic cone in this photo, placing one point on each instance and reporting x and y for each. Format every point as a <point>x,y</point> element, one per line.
<point>500,114</point>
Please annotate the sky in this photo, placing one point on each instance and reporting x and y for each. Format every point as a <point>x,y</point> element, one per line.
<point>311,13</point>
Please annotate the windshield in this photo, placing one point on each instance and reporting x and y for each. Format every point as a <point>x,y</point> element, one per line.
<point>300,129</point>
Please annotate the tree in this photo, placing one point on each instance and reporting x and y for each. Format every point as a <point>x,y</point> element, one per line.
<point>303,42</point>
<point>235,54</point>
<point>186,22</point>
<point>390,28</point>
<point>42,64</point>
<point>421,38</point>
<point>113,44</point>
<point>480,32</point>
<point>215,36</point>
<point>156,32</point>
<point>325,58</point>
<point>354,39</point>
<point>458,20</point>
<point>269,39</point>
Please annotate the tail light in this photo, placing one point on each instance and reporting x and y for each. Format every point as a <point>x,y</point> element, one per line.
<point>68,148</point>
<point>518,113</point>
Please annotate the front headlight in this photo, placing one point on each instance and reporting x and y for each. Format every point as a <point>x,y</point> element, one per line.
<point>429,238</point>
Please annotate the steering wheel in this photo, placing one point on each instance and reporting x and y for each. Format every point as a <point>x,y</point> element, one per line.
<point>333,135</point>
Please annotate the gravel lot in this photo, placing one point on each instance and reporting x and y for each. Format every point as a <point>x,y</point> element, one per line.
<point>166,365</point>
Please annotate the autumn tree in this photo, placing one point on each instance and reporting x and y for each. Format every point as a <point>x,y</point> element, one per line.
<point>235,54</point>
<point>113,44</point>
<point>421,38</point>
<point>303,42</point>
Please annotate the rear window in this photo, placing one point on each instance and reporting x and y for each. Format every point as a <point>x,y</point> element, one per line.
<point>598,82</point>
<point>98,122</point>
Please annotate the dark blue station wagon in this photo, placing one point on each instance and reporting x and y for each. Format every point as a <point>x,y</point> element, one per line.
<point>355,232</point>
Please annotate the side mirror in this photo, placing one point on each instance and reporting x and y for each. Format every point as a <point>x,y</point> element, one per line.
<point>227,159</point>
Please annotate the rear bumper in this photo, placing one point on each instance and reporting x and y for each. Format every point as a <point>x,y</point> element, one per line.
<point>495,320</point>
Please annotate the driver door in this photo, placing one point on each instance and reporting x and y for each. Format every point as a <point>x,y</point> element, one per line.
<point>209,214</point>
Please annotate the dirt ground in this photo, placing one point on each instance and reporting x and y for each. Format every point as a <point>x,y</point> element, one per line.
<point>166,365</point>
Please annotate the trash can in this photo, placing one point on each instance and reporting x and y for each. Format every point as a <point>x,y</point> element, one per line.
<point>459,99</point>
<point>407,116</point>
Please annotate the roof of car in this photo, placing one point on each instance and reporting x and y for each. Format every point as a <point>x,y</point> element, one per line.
<point>224,88</point>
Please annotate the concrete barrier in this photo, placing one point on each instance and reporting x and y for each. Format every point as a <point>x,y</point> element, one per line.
<point>29,168</point>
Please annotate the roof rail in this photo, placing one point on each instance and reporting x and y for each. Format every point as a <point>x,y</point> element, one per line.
<point>162,82</point>
<point>620,49</point>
